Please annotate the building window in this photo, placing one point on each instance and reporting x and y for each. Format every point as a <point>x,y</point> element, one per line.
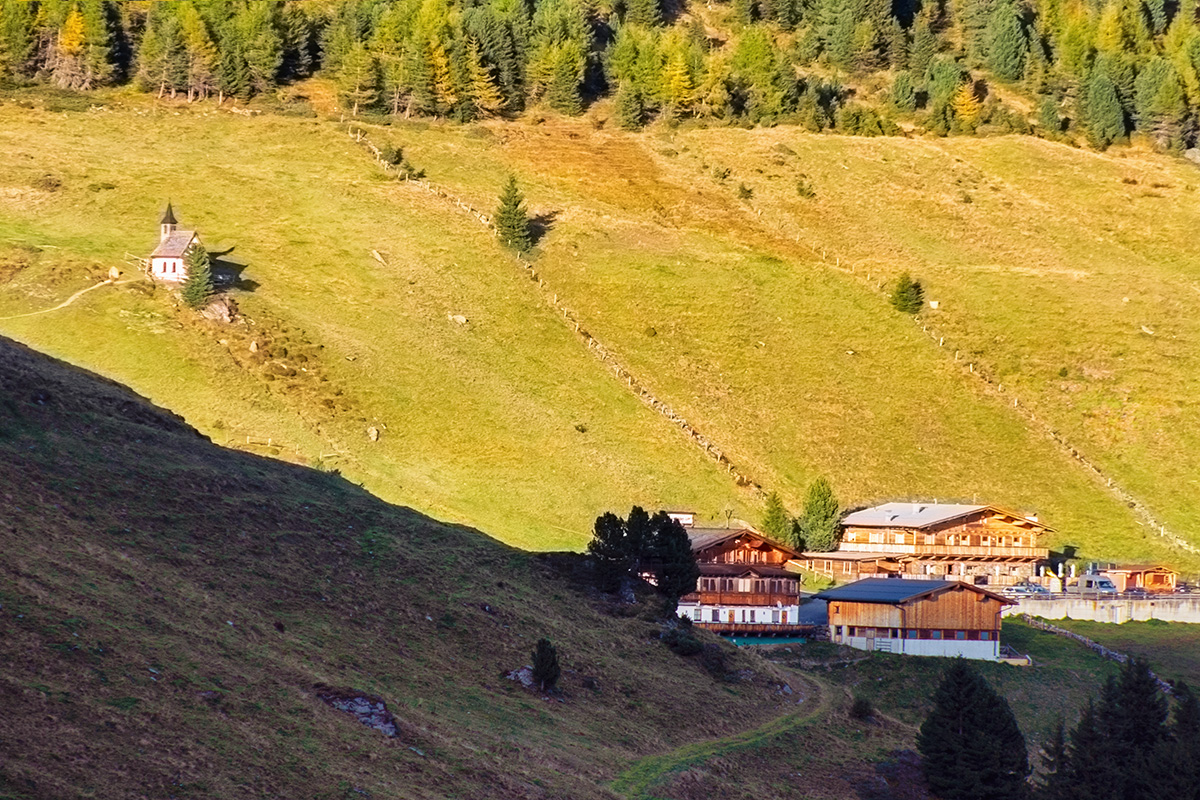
<point>752,615</point>
<point>852,631</point>
<point>960,635</point>
<point>716,615</point>
<point>838,630</point>
<point>936,634</point>
<point>775,617</point>
<point>985,636</point>
<point>895,633</point>
<point>910,634</point>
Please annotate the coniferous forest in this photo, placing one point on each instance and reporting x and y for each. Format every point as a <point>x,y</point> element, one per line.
<point>1095,71</point>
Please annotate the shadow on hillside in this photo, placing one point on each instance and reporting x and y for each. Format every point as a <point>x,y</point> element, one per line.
<point>541,225</point>
<point>227,271</point>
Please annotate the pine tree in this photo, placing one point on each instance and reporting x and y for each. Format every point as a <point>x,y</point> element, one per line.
<point>358,78</point>
<point>908,296</point>
<point>820,522</point>
<point>443,79</point>
<point>1105,117</point>
<point>643,12</point>
<point>198,288</point>
<point>200,53</point>
<point>68,70</point>
<point>484,93</point>
<point>609,551</point>
<point>545,666</point>
<point>897,45</point>
<point>511,220</point>
<point>903,96</point>
<point>628,107</point>
<point>674,563</point>
<point>567,64</point>
<point>1048,117</point>
<point>16,37</point>
<point>776,521</point>
<point>261,44</point>
<point>924,44</point>
<point>677,82</point>
<point>1008,42</point>
<point>970,744</point>
<point>966,107</point>
<point>162,59</point>
<point>1054,779</point>
<point>972,17</point>
<point>233,74</point>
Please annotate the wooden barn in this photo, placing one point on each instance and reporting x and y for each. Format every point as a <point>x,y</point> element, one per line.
<point>1139,576</point>
<point>979,544</point>
<point>746,586</point>
<point>916,617</point>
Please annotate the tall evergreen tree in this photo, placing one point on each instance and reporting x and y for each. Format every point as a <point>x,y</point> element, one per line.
<point>1105,117</point>
<point>924,44</point>
<point>908,296</point>
<point>512,220</point>
<point>162,58</point>
<point>16,37</point>
<point>609,551</point>
<point>233,73</point>
<point>903,96</point>
<point>643,12</point>
<point>198,288</point>
<point>776,521</point>
<point>200,53</point>
<point>820,522</point>
<point>358,78</point>
<point>546,670</point>
<point>673,561</point>
<point>1053,782</point>
<point>484,94</point>
<point>970,744</point>
<point>628,106</point>
<point>261,45</point>
<point>1008,44</point>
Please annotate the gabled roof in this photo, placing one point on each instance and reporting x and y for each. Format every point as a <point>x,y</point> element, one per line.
<point>1138,568</point>
<point>175,245</point>
<point>897,590</point>
<point>704,538</point>
<point>922,515</point>
<point>168,217</point>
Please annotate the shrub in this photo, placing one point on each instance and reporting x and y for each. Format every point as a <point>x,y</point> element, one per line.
<point>712,658</point>
<point>545,665</point>
<point>682,642</point>
<point>861,708</point>
<point>908,297</point>
<point>744,192</point>
<point>805,188</point>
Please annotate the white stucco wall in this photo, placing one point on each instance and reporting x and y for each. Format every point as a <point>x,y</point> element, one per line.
<point>983,651</point>
<point>763,615</point>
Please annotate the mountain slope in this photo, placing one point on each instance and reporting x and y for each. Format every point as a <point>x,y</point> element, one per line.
<point>173,613</point>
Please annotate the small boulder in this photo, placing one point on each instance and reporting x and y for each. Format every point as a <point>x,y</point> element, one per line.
<point>373,433</point>
<point>1193,155</point>
<point>457,319</point>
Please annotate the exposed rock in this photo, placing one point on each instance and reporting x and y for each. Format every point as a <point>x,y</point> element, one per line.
<point>367,709</point>
<point>524,676</point>
<point>253,347</point>
<point>591,683</point>
<point>373,433</point>
<point>1193,155</point>
<point>457,319</point>
<point>222,309</point>
<point>113,273</point>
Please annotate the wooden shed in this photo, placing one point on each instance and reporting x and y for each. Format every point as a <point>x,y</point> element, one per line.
<point>917,617</point>
<point>1140,576</point>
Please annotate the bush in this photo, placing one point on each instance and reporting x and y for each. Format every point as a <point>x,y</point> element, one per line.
<point>744,192</point>
<point>805,188</point>
<point>712,658</point>
<point>682,642</point>
<point>545,665</point>
<point>861,708</point>
<point>909,296</point>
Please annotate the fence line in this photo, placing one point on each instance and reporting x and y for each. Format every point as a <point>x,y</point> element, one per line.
<point>593,345</point>
<point>1105,652</point>
<point>992,387</point>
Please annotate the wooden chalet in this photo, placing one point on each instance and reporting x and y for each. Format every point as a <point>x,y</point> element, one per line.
<point>1140,576</point>
<point>985,545</point>
<point>916,617</point>
<point>746,586</point>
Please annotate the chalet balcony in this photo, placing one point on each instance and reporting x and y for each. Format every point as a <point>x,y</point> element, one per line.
<point>742,598</point>
<point>764,629</point>
<point>948,550</point>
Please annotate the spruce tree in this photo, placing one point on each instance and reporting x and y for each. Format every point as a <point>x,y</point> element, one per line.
<point>966,107</point>
<point>1054,780</point>
<point>358,78</point>
<point>628,106</point>
<point>1048,116</point>
<point>566,71</point>
<point>1105,117</point>
<point>198,288</point>
<point>261,44</point>
<point>820,522</point>
<point>903,96</point>
<point>924,44</point>
<point>609,551</point>
<point>484,94</point>
<point>545,665</point>
<point>776,521</point>
<point>970,744</point>
<point>511,220</point>
<point>673,561</point>
<point>643,12</point>
<point>908,296</point>
<point>16,37</point>
<point>1008,42</point>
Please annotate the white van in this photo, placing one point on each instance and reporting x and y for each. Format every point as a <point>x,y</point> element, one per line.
<point>1093,584</point>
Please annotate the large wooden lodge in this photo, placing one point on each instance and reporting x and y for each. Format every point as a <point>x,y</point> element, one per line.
<point>916,617</point>
<point>979,544</point>
<point>745,586</point>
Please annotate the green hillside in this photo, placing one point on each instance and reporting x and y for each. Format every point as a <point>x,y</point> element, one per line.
<point>793,365</point>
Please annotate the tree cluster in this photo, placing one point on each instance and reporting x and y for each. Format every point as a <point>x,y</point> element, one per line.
<point>1128,745</point>
<point>818,528</point>
<point>644,545</point>
<point>1099,70</point>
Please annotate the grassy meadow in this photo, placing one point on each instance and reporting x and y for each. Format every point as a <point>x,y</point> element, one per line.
<point>716,302</point>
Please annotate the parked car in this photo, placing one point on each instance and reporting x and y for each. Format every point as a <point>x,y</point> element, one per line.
<point>1019,590</point>
<point>1135,592</point>
<point>1184,588</point>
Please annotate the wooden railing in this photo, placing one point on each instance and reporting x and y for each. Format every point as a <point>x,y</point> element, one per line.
<point>961,550</point>
<point>743,598</point>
